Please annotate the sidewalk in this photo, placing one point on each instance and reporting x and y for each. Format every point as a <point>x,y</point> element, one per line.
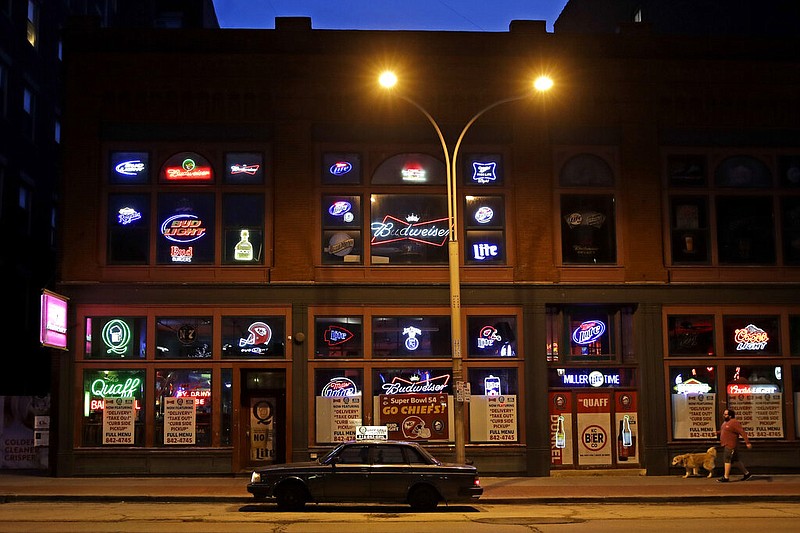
<point>574,488</point>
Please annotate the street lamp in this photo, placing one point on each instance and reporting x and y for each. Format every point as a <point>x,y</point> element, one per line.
<point>388,80</point>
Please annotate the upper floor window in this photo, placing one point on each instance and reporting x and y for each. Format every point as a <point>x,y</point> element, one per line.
<point>406,220</point>
<point>29,109</point>
<point>733,214</point>
<point>3,88</point>
<point>587,211</point>
<point>25,207</point>
<point>32,25</point>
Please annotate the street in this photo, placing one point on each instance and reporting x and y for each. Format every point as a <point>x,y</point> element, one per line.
<point>94,517</point>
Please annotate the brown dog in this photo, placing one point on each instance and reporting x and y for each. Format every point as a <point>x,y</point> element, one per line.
<point>693,461</point>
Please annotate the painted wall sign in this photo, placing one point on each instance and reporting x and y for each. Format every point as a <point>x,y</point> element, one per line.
<point>588,332</point>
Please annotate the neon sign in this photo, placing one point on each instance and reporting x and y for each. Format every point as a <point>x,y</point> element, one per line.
<point>104,389</point>
<point>183,228</point>
<point>413,174</point>
<point>593,219</point>
<point>594,378</point>
<point>588,332</point>
<point>484,214</point>
<point>487,337</point>
<point>412,343</point>
<point>690,386</point>
<point>259,335</point>
<point>244,169</point>
<point>415,385</point>
<point>116,335</point>
<point>337,335</point>
<point>484,250</point>
<point>767,388</point>
<point>491,385</point>
<point>181,255</point>
<point>189,170</point>
<point>340,244</point>
<point>751,338</point>
<point>339,208</point>
<point>130,168</point>
<point>338,387</point>
<point>392,229</point>
<point>126,215</point>
<point>483,172</point>
<point>340,168</point>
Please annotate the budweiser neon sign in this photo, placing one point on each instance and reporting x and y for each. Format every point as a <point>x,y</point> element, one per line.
<point>393,229</point>
<point>751,338</point>
<point>415,385</point>
<point>189,170</point>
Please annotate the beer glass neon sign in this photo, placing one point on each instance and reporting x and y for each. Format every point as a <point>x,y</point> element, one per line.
<point>116,336</point>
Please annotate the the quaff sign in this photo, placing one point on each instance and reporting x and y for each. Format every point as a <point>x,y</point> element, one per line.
<point>750,338</point>
<point>393,229</point>
<point>339,387</point>
<point>588,332</point>
<point>53,320</point>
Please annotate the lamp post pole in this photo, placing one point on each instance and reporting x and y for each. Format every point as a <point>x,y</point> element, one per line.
<point>388,80</point>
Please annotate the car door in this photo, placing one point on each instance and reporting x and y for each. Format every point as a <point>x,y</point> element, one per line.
<point>390,475</point>
<point>348,478</point>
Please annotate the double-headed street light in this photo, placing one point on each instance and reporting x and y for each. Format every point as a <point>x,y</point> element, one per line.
<point>388,80</point>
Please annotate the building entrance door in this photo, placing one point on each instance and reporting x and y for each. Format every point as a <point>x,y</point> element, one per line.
<point>593,428</point>
<point>263,417</point>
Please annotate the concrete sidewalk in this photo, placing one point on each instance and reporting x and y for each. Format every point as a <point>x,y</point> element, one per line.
<point>573,488</point>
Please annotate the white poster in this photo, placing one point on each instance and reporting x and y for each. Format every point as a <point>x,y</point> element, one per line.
<point>179,420</point>
<point>594,429</point>
<point>337,418</point>
<point>262,429</point>
<point>119,415</point>
<point>761,414</point>
<point>693,416</point>
<point>493,418</point>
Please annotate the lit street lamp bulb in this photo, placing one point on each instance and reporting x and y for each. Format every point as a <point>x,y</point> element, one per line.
<point>543,83</point>
<point>388,79</point>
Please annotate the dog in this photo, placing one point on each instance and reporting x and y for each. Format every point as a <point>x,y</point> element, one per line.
<point>693,461</point>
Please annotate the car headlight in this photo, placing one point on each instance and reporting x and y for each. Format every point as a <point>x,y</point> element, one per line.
<point>255,477</point>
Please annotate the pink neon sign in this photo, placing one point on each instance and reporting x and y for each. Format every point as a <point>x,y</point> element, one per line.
<point>53,320</point>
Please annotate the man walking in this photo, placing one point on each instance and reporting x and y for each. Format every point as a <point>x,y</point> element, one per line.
<point>729,433</point>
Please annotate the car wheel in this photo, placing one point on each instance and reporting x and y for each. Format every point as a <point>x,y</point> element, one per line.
<point>423,498</point>
<point>291,498</point>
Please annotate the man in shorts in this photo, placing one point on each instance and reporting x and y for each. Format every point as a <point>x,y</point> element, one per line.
<point>729,433</point>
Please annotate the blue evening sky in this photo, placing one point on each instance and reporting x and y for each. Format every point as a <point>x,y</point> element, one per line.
<point>447,15</point>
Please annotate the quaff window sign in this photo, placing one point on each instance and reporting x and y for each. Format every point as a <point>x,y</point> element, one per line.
<point>589,378</point>
<point>130,167</point>
<point>187,167</point>
<point>53,320</point>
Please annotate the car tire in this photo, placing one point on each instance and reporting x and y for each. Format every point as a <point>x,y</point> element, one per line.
<point>290,497</point>
<point>423,498</point>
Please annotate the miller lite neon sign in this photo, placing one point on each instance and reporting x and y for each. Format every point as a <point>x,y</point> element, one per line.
<point>588,332</point>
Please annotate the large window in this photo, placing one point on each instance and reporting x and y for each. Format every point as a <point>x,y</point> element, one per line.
<point>400,218</point>
<point>164,210</point>
<point>733,211</point>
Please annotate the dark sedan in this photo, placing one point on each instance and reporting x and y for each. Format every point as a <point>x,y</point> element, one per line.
<point>375,471</point>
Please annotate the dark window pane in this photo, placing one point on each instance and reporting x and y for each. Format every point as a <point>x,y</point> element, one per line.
<point>790,229</point>
<point>588,230</point>
<point>751,335</point>
<point>338,337</point>
<point>409,229</point>
<point>183,338</point>
<point>689,229</point>
<point>243,219</point>
<point>586,170</point>
<point>745,230</point>
<point>687,170</point>
<point>129,229</point>
<point>742,171</point>
<point>403,336</point>
<point>253,337</point>
<point>691,335</point>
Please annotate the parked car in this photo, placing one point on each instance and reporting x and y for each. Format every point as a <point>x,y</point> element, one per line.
<point>374,471</point>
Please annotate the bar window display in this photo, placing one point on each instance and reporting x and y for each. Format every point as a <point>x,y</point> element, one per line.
<point>407,336</point>
<point>183,407</point>
<point>128,229</point>
<point>414,403</point>
<point>183,337</point>
<point>338,403</point>
<point>694,402</point>
<point>756,394</point>
<point>492,336</point>
<point>342,241</point>
<point>253,337</point>
<point>186,229</point>
<point>493,407</point>
<point>691,335</point>
<point>115,337</point>
<point>338,337</point>
<point>243,223</point>
<point>588,229</point>
<point>112,408</point>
